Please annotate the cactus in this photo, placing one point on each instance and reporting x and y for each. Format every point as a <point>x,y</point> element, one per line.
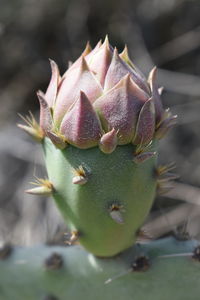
<point>99,127</point>
<point>163,269</point>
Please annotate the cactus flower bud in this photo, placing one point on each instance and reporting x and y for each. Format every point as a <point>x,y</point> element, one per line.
<point>118,96</point>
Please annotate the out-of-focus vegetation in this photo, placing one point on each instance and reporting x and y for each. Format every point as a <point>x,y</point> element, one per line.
<point>165,33</point>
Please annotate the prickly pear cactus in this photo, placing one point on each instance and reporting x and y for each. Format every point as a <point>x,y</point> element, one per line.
<point>163,269</point>
<point>99,126</point>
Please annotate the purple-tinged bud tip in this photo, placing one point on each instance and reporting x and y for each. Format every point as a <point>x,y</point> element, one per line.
<point>108,141</point>
<point>45,113</point>
<point>118,69</point>
<point>99,62</point>
<point>76,80</point>
<point>87,49</point>
<point>119,108</point>
<point>80,125</point>
<point>155,94</point>
<point>92,53</point>
<point>78,62</point>
<point>146,124</point>
<point>125,56</point>
<point>52,89</point>
<point>57,139</point>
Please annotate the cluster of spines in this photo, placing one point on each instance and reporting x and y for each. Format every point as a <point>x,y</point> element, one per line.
<point>165,177</point>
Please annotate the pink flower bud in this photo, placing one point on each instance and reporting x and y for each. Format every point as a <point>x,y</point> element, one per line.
<point>102,91</point>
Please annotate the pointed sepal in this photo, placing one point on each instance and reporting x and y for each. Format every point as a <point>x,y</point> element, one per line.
<point>57,139</point>
<point>100,61</point>
<point>43,188</point>
<point>119,108</point>
<point>32,127</point>
<point>146,124</point>
<point>75,80</point>
<point>108,141</point>
<point>124,55</point>
<point>155,94</point>
<point>118,69</point>
<point>87,49</point>
<point>89,56</point>
<point>78,62</point>
<point>81,126</point>
<point>52,89</point>
<point>45,112</point>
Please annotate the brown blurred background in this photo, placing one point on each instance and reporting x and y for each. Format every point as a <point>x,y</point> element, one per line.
<point>165,33</point>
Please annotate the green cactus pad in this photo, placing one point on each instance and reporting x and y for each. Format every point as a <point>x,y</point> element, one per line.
<point>112,200</point>
<point>60,273</point>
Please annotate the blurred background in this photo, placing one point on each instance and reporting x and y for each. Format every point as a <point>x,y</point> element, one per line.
<point>165,33</point>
